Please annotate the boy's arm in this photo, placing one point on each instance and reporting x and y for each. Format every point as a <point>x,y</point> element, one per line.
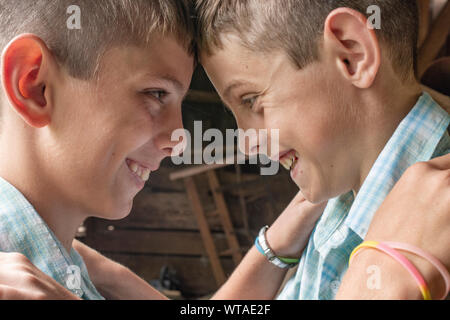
<point>257,278</point>
<point>113,280</point>
<point>415,212</point>
<point>21,280</point>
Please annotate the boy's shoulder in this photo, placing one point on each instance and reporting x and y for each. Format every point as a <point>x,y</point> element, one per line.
<point>22,230</point>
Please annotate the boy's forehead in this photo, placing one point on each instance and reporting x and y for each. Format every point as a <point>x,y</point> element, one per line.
<point>234,66</point>
<point>165,61</point>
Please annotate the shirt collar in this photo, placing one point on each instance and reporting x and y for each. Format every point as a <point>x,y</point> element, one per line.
<point>414,140</point>
<point>28,224</point>
<point>23,230</point>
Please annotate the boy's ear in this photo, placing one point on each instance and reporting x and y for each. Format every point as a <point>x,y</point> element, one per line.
<point>26,76</point>
<point>354,45</point>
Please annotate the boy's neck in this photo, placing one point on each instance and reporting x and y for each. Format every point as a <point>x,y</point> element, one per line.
<point>18,167</point>
<point>388,108</point>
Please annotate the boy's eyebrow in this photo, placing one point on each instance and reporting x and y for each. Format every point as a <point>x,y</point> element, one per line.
<point>177,84</point>
<point>172,80</point>
<point>232,86</point>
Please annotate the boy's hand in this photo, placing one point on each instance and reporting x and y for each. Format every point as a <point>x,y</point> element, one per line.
<point>289,234</point>
<point>21,280</point>
<point>417,211</point>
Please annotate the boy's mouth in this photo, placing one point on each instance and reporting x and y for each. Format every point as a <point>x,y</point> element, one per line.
<point>289,159</point>
<point>139,170</point>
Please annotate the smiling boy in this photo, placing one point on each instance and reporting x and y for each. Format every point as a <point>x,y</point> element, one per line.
<point>351,115</point>
<point>86,116</point>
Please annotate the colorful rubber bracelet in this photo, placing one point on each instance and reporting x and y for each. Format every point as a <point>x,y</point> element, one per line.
<point>399,258</point>
<point>431,259</point>
<point>258,246</point>
<point>289,260</point>
<point>285,260</point>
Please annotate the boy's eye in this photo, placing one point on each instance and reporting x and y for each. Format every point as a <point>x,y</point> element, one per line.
<point>249,102</point>
<point>158,94</point>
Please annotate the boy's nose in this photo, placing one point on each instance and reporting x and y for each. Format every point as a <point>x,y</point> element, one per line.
<point>252,142</point>
<point>252,135</point>
<point>172,126</point>
<point>176,144</point>
<point>248,145</point>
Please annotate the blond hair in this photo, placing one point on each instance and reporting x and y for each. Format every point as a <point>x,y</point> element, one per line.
<point>296,26</point>
<point>104,23</point>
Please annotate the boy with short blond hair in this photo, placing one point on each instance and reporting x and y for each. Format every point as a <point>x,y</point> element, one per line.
<point>351,114</point>
<point>87,111</point>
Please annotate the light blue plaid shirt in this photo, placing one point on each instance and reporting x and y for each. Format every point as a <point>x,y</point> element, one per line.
<point>421,136</point>
<point>23,230</point>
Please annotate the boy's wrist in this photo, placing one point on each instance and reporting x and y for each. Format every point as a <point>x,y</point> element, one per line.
<point>390,280</point>
<point>289,234</point>
<point>279,245</point>
<point>434,280</point>
<point>401,285</point>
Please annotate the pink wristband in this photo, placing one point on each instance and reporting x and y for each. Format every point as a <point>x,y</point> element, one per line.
<point>431,259</point>
<point>399,258</point>
<point>421,253</point>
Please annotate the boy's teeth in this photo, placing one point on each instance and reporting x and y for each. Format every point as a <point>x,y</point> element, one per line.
<point>143,173</point>
<point>134,167</point>
<point>146,174</point>
<point>285,164</point>
<point>290,162</point>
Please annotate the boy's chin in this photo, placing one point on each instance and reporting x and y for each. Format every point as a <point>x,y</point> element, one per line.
<point>315,197</point>
<point>118,216</point>
<point>115,211</point>
<point>302,188</point>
